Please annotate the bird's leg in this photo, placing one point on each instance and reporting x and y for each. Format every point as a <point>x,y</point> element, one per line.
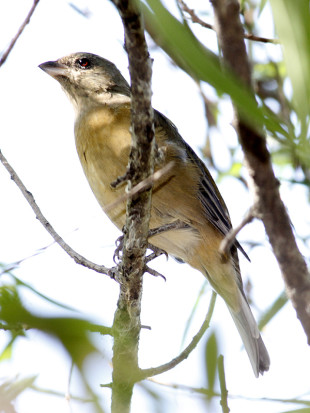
<point>152,232</point>
<point>168,227</point>
<point>117,256</point>
<point>120,180</point>
<point>157,252</point>
<point>154,272</point>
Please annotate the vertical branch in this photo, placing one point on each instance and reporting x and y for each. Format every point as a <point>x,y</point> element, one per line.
<point>141,164</point>
<point>266,186</point>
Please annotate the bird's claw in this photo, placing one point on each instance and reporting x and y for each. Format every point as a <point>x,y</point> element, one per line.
<point>117,256</point>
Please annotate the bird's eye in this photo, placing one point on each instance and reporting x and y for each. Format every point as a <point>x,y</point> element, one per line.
<point>83,62</point>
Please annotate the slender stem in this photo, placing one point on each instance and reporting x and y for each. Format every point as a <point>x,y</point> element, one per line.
<point>196,19</point>
<point>224,391</point>
<point>19,32</point>
<point>78,258</point>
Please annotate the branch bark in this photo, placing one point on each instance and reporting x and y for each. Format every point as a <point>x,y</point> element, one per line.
<point>127,323</point>
<point>266,187</point>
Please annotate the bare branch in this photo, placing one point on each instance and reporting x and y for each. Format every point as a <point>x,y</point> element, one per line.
<point>266,187</point>
<point>196,19</point>
<point>186,352</point>
<point>19,32</point>
<point>79,259</point>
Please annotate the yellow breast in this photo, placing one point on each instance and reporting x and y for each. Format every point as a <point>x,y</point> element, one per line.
<point>103,141</point>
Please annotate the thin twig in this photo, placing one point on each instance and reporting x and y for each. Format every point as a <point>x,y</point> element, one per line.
<point>19,32</point>
<point>79,259</point>
<point>177,386</point>
<point>140,187</point>
<point>186,352</point>
<point>198,20</point>
<point>230,237</point>
<point>60,394</point>
<point>201,390</point>
<point>224,391</point>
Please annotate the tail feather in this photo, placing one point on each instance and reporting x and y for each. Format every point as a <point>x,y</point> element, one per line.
<point>251,338</point>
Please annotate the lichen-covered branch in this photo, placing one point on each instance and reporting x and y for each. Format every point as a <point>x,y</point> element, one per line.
<point>266,187</point>
<point>127,324</point>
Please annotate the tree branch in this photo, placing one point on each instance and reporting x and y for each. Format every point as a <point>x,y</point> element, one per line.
<point>196,19</point>
<point>78,258</point>
<point>266,187</point>
<point>127,323</point>
<point>19,32</point>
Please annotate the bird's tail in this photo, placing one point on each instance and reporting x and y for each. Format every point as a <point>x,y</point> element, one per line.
<point>251,337</point>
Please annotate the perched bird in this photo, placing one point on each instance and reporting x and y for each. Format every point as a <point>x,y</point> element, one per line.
<point>101,98</point>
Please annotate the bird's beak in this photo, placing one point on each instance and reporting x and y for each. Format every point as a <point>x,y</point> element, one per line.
<point>54,68</point>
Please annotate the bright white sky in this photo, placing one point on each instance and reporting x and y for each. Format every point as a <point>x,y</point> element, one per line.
<point>37,138</point>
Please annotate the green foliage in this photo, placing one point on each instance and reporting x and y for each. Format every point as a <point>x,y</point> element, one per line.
<point>289,125</point>
<point>73,333</point>
<point>211,356</point>
<point>185,49</point>
<point>292,20</point>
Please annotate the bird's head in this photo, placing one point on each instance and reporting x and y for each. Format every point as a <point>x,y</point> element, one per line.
<point>87,77</point>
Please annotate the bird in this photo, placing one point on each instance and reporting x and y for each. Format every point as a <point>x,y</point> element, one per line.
<point>188,194</point>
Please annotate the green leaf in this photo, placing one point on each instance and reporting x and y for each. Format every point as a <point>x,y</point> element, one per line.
<point>6,353</point>
<point>199,62</point>
<point>73,333</point>
<point>211,355</point>
<point>50,300</point>
<point>292,19</point>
